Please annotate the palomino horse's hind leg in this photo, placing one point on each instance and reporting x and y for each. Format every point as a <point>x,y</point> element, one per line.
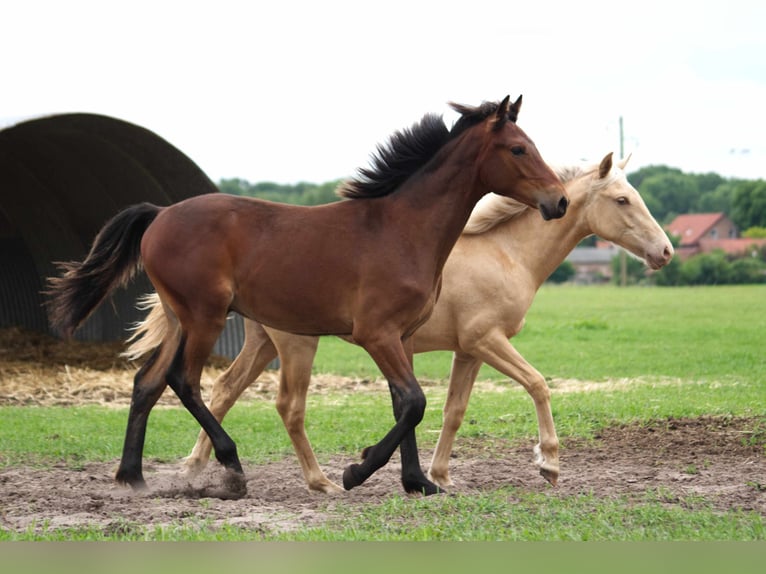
<point>148,385</point>
<point>184,378</point>
<point>465,369</point>
<point>297,355</point>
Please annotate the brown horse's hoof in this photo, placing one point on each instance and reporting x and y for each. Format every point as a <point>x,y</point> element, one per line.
<point>422,486</point>
<point>235,483</point>
<point>134,480</point>
<point>351,477</point>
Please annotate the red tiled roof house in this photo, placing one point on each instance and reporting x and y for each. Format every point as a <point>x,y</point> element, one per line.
<point>706,232</point>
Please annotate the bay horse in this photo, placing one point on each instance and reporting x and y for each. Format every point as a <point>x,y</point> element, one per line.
<point>368,268</point>
<point>489,282</point>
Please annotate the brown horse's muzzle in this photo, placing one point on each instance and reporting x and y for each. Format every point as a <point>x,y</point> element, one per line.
<point>554,210</point>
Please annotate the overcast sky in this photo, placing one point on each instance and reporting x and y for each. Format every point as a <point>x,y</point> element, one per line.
<point>292,91</point>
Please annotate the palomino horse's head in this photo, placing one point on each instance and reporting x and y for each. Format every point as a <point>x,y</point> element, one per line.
<point>510,164</point>
<point>616,212</point>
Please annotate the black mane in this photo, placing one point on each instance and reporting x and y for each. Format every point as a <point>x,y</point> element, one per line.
<point>393,163</point>
<point>410,149</point>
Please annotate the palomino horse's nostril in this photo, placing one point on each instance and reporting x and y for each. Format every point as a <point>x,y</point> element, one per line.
<point>563,204</point>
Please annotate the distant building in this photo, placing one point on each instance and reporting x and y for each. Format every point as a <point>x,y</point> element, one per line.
<point>706,232</point>
<point>593,264</point>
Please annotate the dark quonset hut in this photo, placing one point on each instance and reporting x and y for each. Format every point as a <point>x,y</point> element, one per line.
<point>61,178</point>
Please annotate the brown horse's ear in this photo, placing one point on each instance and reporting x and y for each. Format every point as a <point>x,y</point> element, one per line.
<point>606,166</point>
<point>501,115</point>
<point>513,111</point>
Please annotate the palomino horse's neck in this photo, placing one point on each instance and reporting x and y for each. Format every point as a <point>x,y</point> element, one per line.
<point>552,240</point>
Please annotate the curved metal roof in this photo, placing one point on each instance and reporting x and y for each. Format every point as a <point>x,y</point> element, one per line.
<point>61,178</point>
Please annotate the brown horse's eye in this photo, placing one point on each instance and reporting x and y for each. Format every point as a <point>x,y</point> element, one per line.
<point>518,150</point>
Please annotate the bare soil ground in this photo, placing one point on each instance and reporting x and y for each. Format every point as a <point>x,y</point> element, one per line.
<point>719,459</point>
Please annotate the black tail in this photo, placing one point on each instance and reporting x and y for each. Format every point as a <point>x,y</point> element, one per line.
<point>114,258</point>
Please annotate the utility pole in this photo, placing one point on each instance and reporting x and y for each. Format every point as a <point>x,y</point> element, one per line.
<point>623,255</point>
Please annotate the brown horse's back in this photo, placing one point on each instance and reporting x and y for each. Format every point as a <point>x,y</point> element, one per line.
<point>304,267</point>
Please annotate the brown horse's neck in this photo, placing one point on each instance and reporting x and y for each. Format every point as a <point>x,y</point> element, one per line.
<point>541,246</point>
<point>440,199</point>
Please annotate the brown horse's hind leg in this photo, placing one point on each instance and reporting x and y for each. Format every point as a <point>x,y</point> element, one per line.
<point>184,378</point>
<point>257,352</point>
<point>148,385</point>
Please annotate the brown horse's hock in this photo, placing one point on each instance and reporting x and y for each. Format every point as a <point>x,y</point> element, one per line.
<point>367,268</point>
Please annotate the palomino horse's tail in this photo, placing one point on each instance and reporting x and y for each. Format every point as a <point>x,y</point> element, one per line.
<point>114,258</point>
<point>148,334</point>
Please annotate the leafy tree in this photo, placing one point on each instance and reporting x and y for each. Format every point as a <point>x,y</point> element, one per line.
<point>637,177</point>
<point>563,273</point>
<point>719,199</point>
<point>706,269</point>
<point>749,204</point>
<point>674,192</point>
<point>670,275</point>
<point>755,233</point>
<point>747,270</point>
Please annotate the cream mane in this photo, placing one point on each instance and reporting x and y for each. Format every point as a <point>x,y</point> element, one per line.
<point>493,209</point>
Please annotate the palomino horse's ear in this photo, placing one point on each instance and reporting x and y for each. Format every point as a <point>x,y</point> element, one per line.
<point>501,115</point>
<point>606,166</point>
<point>623,162</point>
<point>513,111</point>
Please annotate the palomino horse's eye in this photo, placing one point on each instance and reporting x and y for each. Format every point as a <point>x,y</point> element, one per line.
<point>622,201</point>
<point>518,150</point>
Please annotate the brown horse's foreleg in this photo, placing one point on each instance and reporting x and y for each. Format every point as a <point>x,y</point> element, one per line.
<point>495,350</point>
<point>413,478</point>
<point>148,385</point>
<point>409,406</point>
<point>184,378</point>
<point>257,352</point>
<point>464,370</point>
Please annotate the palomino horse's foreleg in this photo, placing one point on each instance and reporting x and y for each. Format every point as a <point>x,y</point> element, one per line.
<point>297,356</point>
<point>497,351</point>
<point>409,407</point>
<point>148,385</point>
<point>184,378</point>
<point>257,352</point>
<point>464,370</point>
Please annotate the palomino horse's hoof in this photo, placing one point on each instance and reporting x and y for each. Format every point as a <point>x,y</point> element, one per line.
<point>552,476</point>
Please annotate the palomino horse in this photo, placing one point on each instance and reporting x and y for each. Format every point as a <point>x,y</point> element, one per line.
<point>368,268</point>
<point>489,282</point>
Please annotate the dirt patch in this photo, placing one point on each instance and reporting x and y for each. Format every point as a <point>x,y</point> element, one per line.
<point>681,461</point>
<point>715,461</point>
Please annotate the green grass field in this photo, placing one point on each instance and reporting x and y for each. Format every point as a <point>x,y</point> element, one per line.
<point>683,352</point>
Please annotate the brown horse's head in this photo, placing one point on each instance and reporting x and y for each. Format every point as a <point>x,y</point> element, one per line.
<point>510,164</point>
